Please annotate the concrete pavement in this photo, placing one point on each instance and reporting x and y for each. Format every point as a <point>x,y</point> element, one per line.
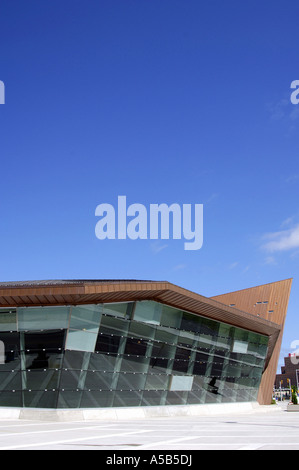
<point>275,429</point>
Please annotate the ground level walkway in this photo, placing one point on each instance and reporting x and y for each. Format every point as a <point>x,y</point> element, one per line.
<point>274,429</point>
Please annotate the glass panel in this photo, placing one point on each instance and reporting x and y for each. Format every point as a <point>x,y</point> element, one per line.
<point>114,326</point>
<point>104,362</point>
<point>160,366</point>
<point>180,382</point>
<point>69,379</point>
<point>42,379</point>
<point>81,340</point>
<point>187,339</point>
<point>141,330</point>
<point>73,359</point>
<point>134,364</point>
<point>11,398</point>
<point>40,399</point>
<point>171,316</point>
<point>127,398</point>
<point>119,310</point>
<point>107,344</point>
<point>152,398</point>
<point>43,318</point>
<point>136,347</point>
<point>157,382</point>
<point>191,322</point>
<point>96,399</point>
<point>148,312</point>
<point>133,381</point>
<point>175,398</point>
<point>8,319</point>
<point>163,350</point>
<point>43,349</point>
<point>125,362</point>
<point>12,351</point>
<point>86,317</point>
<point>166,335</point>
<point>10,381</point>
<point>51,340</point>
<point>70,399</point>
<point>240,346</point>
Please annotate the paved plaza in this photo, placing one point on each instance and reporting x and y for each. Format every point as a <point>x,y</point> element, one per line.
<point>257,430</point>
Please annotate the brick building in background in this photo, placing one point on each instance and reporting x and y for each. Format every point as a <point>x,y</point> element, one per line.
<point>290,371</point>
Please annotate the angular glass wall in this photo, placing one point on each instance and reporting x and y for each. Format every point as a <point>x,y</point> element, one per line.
<point>127,354</point>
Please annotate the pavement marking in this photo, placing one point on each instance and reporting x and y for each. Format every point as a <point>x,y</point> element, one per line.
<point>86,428</point>
<point>170,441</point>
<point>65,441</point>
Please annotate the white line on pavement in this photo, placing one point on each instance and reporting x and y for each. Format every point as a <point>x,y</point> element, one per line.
<point>86,428</point>
<point>65,441</point>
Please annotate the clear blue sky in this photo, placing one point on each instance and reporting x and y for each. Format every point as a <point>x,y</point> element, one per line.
<point>161,101</point>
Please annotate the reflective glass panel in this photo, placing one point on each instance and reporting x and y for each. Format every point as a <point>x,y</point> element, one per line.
<point>8,319</point>
<point>43,318</point>
<point>125,354</point>
<point>148,312</point>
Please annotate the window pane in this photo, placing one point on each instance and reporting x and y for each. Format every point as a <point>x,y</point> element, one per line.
<point>119,310</point>
<point>141,330</point>
<point>103,362</point>
<point>44,349</point>
<point>181,383</point>
<point>127,398</point>
<point>42,379</point>
<point>157,382</point>
<point>10,381</point>
<point>114,326</point>
<point>81,340</point>
<point>11,398</point>
<point>8,320</point>
<point>40,399</point>
<point>43,318</point>
<point>107,343</point>
<point>171,316</point>
<point>148,312</point>
<point>12,350</point>
<point>136,347</point>
<point>86,317</point>
<point>134,364</point>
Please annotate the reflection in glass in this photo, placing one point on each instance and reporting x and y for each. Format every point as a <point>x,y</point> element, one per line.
<point>125,354</point>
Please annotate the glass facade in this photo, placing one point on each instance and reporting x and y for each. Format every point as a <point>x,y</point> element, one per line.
<point>126,354</point>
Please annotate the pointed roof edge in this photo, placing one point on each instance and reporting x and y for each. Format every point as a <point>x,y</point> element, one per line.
<point>290,279</point>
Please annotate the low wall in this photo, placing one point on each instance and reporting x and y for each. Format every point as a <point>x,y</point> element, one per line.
<point>114,414</point>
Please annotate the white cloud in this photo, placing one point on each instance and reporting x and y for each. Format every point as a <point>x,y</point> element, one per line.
<point>157,247</point>
<point>293,178</point>
<point>270,260</point>
<point>282,241</point>
<point>246,269</point>
<point>233,265</point>
<point>178,267</point>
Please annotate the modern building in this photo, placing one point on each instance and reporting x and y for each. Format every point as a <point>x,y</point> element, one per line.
<point>81,344</point>
<point>289,375</point>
